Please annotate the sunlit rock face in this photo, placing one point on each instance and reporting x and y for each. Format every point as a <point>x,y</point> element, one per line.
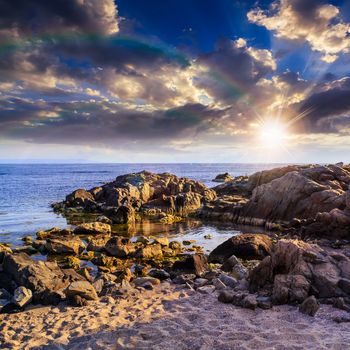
<point>143,191</point>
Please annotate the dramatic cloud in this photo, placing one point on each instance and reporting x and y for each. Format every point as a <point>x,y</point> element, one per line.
<point>317,23</point>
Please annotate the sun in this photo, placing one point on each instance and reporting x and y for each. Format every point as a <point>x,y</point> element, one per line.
<point>272,134</point>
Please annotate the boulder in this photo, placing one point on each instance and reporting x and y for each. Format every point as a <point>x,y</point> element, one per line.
<point>82,288</point>
<point>295,269</point>
<point>120,247</point>
<point>81,198</point>
<point>196,264</point>
<point>124,214</point>
<point>309,306</point>
<point>45,279</point>
<point>151,251</point>
<point>223,178</point>
<point>22,296</point>
<point>93,228</point>
<point>244,246</point>
<point>97,243</point>
<point>64,245</point>
<point>250,302</point>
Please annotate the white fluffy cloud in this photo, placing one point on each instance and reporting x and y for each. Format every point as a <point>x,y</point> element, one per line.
<point>318,24</point>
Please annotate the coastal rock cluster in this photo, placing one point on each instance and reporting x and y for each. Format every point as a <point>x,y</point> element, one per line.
<point>140,192</point>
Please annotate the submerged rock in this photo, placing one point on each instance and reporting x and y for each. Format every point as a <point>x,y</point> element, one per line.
<point>93,228</point>
<point>223,178</point>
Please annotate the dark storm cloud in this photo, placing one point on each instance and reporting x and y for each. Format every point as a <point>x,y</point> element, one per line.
<point>32,17</point>
<point>234,69</point>
<point>98,123</point>
<point>329,109</point>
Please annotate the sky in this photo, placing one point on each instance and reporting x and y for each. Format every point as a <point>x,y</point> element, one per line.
<point>174,81</point>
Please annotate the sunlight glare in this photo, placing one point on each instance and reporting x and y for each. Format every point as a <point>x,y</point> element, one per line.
<point>272,134</point>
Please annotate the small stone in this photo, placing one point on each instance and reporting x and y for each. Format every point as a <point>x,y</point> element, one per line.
<point>200,282</point>
<point>141,281</point>
<point>22,296</point>
<point>189,241</point>
<point>309,306</point>
<point>184,278</point>
<point>163,241</point>
<point>225,296</point>
<point>230,263</point>
<point>250,302</point>
<point>79,301</point>
<point>209,236</point>
<point>175,245</point>
<point>264,302</point>
<point>159,274</point>
<point>83,288</point>
<point>206,289</point>
<point>228,280</point>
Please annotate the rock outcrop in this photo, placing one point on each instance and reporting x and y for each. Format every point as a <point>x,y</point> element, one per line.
<point>297,269</point>
<point>143,190</point>
<point>245,246</point>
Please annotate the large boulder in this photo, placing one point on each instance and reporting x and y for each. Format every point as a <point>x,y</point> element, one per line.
<point>295,269</point>
<point>45,279</point>
<point>93,228</point>
<point>81,198</point>
<point>244,246</point>
<point>196,264</point>
<point>64,245</point>
<point>120,247</point>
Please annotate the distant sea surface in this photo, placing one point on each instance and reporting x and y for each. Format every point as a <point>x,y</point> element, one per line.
<point>26,192</point>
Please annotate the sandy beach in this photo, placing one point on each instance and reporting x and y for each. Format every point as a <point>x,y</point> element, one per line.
<point>171,317</point>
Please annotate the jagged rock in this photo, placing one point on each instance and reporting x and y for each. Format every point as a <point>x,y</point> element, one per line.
<point>196,264</point>
<point>82,288</point>
<point>120,247</point>
<point>161,191</point>
<point>93,228</point>
<point>290,288</point>
<point>306,268</point>
<point>4,249</point>
<point>245,246</point>
<point>223,178</point>
<point>22,296</point>
<point>45,279</point>
<point>64,245</point>
<point>98,243</point>
<point>124,214</point>
<point>309,306</point>
<point>81,198</point>
<point>151,251</point>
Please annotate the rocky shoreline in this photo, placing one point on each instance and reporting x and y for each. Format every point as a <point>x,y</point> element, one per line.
<point>304,262</point>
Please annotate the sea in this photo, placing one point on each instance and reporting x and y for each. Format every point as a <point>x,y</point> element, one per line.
<point>28,190</point>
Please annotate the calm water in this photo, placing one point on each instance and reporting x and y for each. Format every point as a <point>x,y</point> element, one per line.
<point>26,192</point>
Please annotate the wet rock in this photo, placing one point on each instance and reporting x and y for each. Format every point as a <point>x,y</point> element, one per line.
<point>82,288</point>
<point>196,264</point>
<point>223,178</point>
<point>119,247</point>
<point>175,245</point>
<point>64,245</point>
<point>81,198</point>
<point>92,228</point>
<point>124,214</point>
<point>163,241</point>
<point>250,302</point>
<point>98,243</point>
<point>104,220</point>
<point>22,296</point>
<point>309,306</point>
<point>151,251</point>
<point>189,241</point>
<point>226,296</point>
<point>244,246</point>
